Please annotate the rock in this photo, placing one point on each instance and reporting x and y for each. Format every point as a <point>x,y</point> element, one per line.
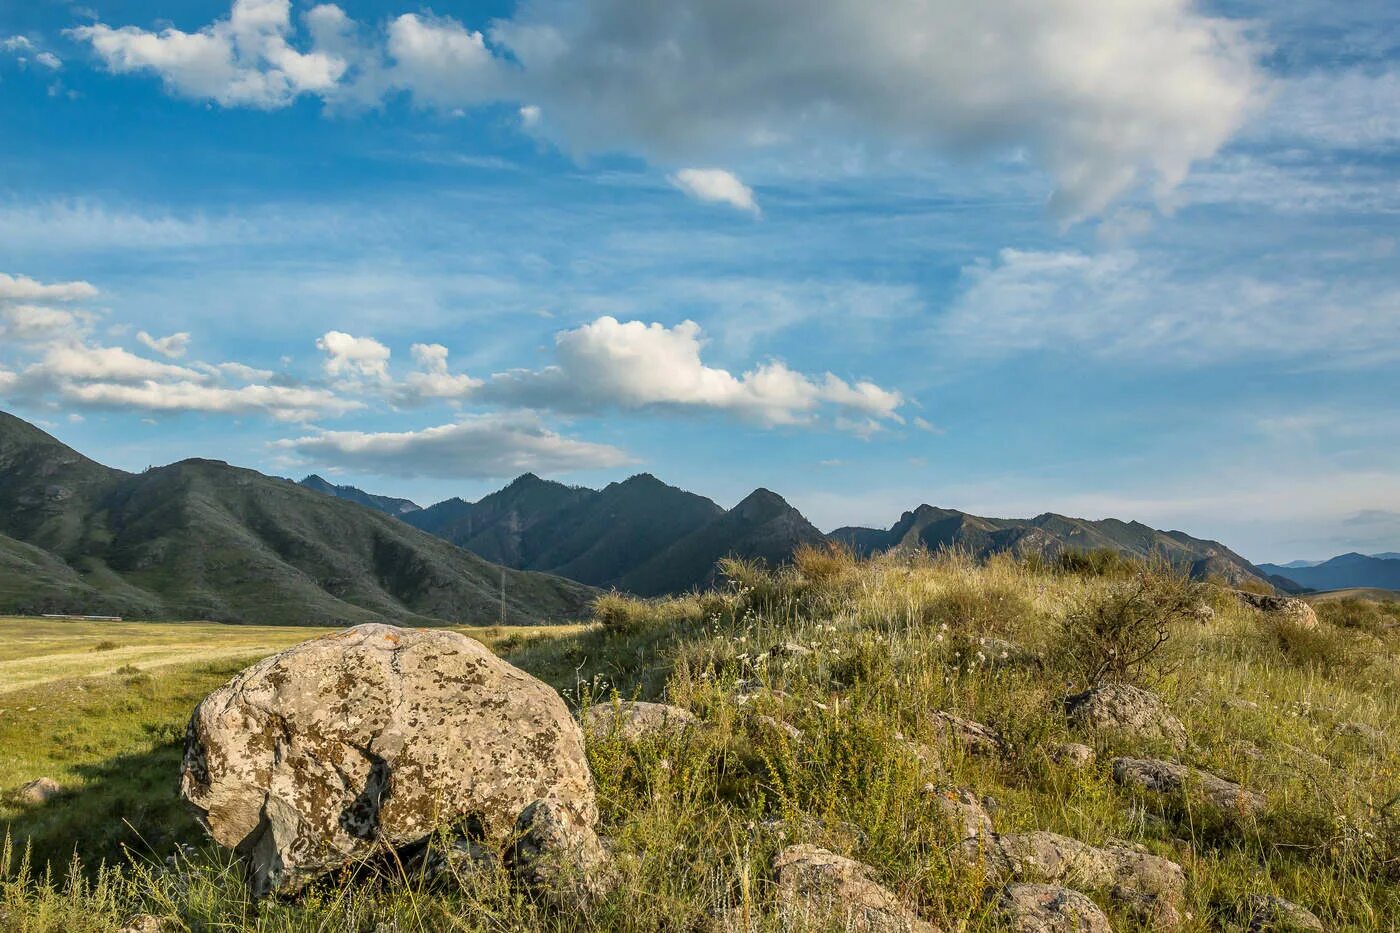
<point>789,649</point>
<point>447,858</point>
<point>1361,730</point>
<point>371,738</point>
<point>1045,908</point>
<point>1269,913</point>
<point>973,737</point>
<point>783,728</point>
<point>1152,888</point>
<point>41,790</point>
<point>557,856</point>
<point>1203,613</point>
<point>815,885</point>
<point>635,720</point>
<point>1170,777</point>
<point>971,824</point>
<point>1126,710</point>
<point>1074,756</point>
<point>1296,610</point>
<point>144,923</point>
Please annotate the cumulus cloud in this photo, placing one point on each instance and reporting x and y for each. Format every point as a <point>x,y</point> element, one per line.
<point>1107,95</point>
<point>54,362</point>
<point>475,447</point>
<point>611,364</point>
<point>715,186</point>
<point>433,379</point>
<point>242,60</point>
<point>354,356</point>
<point>1118,304</point>
<point>16,44</point>
<point>172,347</point>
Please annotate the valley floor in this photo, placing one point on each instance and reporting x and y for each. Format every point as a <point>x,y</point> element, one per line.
<point>824,692</point>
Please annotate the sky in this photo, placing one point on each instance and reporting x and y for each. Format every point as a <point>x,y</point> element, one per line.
<point>1130,258</point>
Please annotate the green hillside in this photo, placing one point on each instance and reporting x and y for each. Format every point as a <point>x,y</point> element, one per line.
<point>203,540</point>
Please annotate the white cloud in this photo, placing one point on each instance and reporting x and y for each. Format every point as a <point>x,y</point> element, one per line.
<point>172,347</point>
<point>1108,95</point>
<point>608,363</point>
<point>242,60</point>
<point>36,322</point>
<point>715,186</point>
<point>49,60</point>
<point>23,288</point>
<point>1352,108</point>
<point>16,44</point>
<point>476,447</point>
<point>433,380</point>
<point>530,116</point>
<point>354,356</point>
<point>1117,305</point>
<point>284,403</point>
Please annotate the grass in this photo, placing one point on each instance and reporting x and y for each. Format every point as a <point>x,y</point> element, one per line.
<point>1306,719</point>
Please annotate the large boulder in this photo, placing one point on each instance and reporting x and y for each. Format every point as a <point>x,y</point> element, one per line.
<point>369,739</point>
<point>1151,888</point>
<point>1128,711</point>
<point>37,791</point>
<point>1048,908</point>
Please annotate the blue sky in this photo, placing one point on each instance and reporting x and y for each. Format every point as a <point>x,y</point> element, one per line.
<point>1098,257</point>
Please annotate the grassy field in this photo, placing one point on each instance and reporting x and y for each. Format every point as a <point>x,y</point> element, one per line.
<point>1304,716</point>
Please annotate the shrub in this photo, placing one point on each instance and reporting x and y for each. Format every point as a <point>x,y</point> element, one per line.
<point>1097,562</point>
<point>1119,631</point>
<point>823,564</point>
<point>1364,614</point>
<point>1322,646</point>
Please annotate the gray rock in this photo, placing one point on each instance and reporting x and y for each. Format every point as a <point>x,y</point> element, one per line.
<point>635,720</point>
<point>38,791</point>
<point>1170,777</point>
<point>371,738</point>
<point>1296,610</point>
<point>145,923</point>
<point>557,856</point>
<point>1045,908</point>
<point>972,737</point>
<point>1152,888</point>
<point>816,885</point>
<point>449,857</point>
<point>1269,913</point>
<point>786,729</point>
<point>1126,710</point>
<point>1073,755</point>
<point>1361,730</point>
<point>789,649</point>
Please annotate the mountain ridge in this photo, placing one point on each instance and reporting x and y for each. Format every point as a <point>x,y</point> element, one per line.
<point>1345,571</point>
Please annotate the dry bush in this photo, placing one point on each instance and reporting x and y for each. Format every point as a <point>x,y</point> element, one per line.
<point>821,565</point>
<point>1120,630</point>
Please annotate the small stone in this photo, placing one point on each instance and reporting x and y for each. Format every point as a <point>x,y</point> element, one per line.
<point>38,791</point>
<point>634,720</point>
<point>777,725</point>
<point>1073,755</point>
<point>144,923</point>
<point>789,649</point>
<point>1269,913</point>
<point>973,737</point>
<point>816,885</point>
<point>1361,730</point>
<point>1045,908</point>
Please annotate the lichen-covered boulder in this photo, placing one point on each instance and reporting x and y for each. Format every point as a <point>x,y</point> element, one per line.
<point>1269,913</point>
<point>1128,711</point>
<point>40,790</point>
<point>557,857</point>
<point>369,739</point>
<point>1290,607</point>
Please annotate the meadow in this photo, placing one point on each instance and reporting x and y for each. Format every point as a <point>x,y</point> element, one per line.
<point>822,689</point>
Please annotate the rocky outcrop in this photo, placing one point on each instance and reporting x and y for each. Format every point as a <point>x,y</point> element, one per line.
<point>1152,888</point>
<point>1174,778</point>
<point>1128,711</point>
<point>1073,755</point>
<point>973,737</point>
<point>635,720</point>
<point>556,856</point>
<point>815,886</point>
<point>1295,610</point>
<point>370,739</point>
<point>1046,908</point>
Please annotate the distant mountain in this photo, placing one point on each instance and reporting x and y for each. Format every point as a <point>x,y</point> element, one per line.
<point>934,529</point>
<point>495,527</point>
<point>386,504</point>
<point>1388,555</point>
<point>200,539</point>
<point>1295,564</point>
<point>763,526</point>
<point>1343,572</point>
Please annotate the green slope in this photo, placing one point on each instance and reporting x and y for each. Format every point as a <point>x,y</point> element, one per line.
<point>202,539</point>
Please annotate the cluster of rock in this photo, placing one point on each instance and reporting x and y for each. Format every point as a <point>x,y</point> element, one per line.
<point>422,749</point>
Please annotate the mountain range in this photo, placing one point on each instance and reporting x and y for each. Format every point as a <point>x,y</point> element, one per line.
<point>646,537</point>
<point>200,539</point>
<point>1378,571</point>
